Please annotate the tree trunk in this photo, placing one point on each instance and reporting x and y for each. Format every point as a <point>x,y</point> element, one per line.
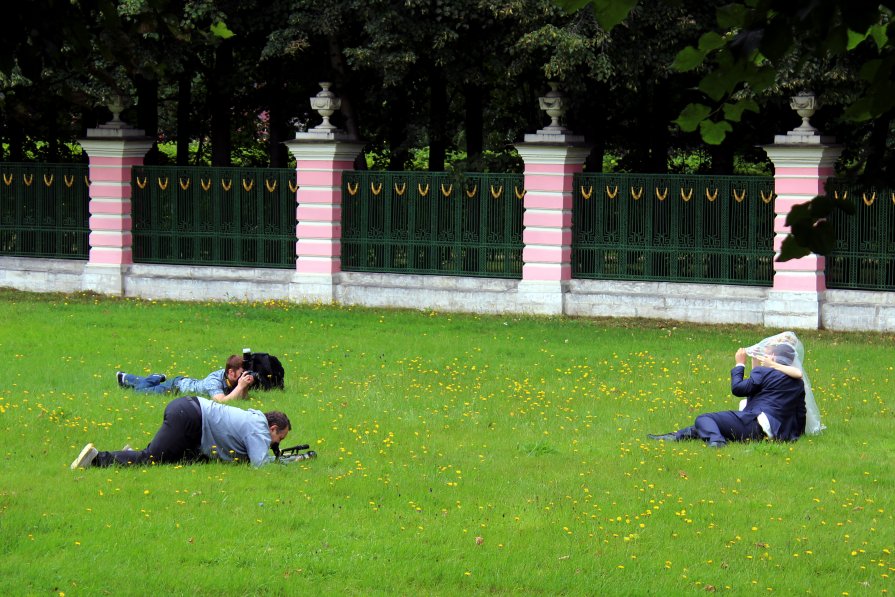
<point>438,107</point>
<point>184,113</point>
<point>278,131</point>
<point>147,113</point>
<point>349,114</point>
<point>475,134</point>
<point>722,158</point>
<point>397,129</point>
<point>16,137</point>
<point>220,100</point>
<point>877,150</point>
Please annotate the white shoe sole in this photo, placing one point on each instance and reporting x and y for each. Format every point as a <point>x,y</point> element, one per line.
<point>85,458</point>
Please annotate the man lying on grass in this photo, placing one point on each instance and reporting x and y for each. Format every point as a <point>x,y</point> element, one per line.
<point>230,383</point>
<point>197,430</point>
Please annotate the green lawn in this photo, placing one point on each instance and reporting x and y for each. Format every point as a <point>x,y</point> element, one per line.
<point>457,455</point>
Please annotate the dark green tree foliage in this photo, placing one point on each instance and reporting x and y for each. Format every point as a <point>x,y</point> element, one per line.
<point>756,50</point>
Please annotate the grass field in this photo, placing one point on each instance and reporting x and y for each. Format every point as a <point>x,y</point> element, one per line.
<point>457,455</point>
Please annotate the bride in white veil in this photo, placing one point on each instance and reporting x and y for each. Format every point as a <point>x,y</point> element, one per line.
<point>813,426</point>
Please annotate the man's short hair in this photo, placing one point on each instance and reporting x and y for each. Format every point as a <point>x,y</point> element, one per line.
<point>234,362</point>
<point>784,354</point>
<point>279,419</point>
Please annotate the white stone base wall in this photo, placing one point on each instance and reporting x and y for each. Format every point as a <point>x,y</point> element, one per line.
<point>41,275</point>
<point>858,311</point>
<point>844,310</point>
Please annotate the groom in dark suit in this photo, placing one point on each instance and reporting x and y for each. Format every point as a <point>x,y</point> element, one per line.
<point>775,405</point>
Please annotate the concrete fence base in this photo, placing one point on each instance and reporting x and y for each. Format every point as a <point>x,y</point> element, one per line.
<point>845,310</point>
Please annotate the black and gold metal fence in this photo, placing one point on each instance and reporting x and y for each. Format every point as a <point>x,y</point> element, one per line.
<point>214,216</point>
<point>44,210</point>
<point>677,228</point>
<point>863,256</point>
<point>432,223</point>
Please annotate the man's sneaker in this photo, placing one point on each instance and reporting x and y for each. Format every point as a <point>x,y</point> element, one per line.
<point>127,448</point>
<point>161,377</point>
<point>85,458</point>
<point>119,375</point>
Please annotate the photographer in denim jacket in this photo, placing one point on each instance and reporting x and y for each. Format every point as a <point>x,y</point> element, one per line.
<point>223,385</point>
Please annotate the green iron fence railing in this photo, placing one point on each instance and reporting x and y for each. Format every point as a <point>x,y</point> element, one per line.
<point>678,228</point>
<point>44,210</point>
<point>432,223</point>
<point>214,216</point>
<point>863,256</point>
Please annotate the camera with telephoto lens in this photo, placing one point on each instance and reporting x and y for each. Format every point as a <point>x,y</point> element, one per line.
<point>294,454</point>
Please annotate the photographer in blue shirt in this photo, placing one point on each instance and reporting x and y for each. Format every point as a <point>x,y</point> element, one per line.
<point>199,430</point>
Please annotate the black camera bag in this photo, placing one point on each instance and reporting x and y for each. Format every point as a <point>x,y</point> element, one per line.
<point>269,369</point>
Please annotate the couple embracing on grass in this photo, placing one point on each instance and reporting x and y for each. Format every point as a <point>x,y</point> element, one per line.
<point>778,402</point>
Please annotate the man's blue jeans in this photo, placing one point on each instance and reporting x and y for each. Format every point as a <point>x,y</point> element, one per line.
<point>152,384</point>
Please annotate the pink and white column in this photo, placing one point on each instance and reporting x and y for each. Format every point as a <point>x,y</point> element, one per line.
<point>321,156</point>
<point>552,157</point>
<point>114,149</point>
<point>803,160</point>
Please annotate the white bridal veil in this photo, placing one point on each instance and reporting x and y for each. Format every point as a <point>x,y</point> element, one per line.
<point>813,426</point>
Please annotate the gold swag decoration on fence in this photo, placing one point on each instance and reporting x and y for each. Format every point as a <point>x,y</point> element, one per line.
<point>293,186</point>
<point>205,184</point>
<point>70,180</point>
<point>270,188</point>
<point>687,197</point>
<point>248,187</point>
<point>448,192</point>
<point>353,191</point>
<point>227,185</point>
<point>662,197</point>
<point>8,181</point>
<point>421,191</point>
<point>473,192</point>
<point>589,192</point>
<point>142,184</point>
<point>184,185</point>
<point>868,202</point>
<point>27,179</point>
<point>739,197</point>
<point>766,199</point>
<point>637,195</point>
<point>496,194</point>
<point>519,195</point>
<point>402,190</point>
<point>376,190</point>
<point>613,193</point>
<point>711,197</point>
<point>48,182</point>
<point>162,185</point>
<point>844,195</point>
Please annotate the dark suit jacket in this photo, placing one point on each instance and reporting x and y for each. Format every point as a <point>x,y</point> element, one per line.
<point>780,397</point>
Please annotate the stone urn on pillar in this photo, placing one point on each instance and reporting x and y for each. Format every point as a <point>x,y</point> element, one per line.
<point>322,154</point>
<point>553,104</point>
<point>326,104</point>
<point>805,105</point>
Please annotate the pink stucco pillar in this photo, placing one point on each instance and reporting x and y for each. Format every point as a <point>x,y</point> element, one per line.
<point>320,159</point>
<point>551,161</point>
<point>803,160</point>
<point>113,150</point>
